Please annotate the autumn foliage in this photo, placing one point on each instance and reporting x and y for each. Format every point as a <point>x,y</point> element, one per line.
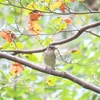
<point>16,68</point>
<point>7,35</point>
<point>62,7</point>
<point>33,27</point>
<point>68,20</point>
<point>34,15</point>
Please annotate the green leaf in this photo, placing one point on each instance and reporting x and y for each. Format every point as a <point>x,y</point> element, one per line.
<point>2,0</point>
<point>31,6</point>
<point>66,1</point>
<point>49,29</point>
<point>6,45</point>
<point>62,26</point>
<point>58,24</point>
<point>19,92</point>
<point>56,21</point>
<point>51,81</point>
<point>47,1</point>
<point>55,4</point>
<point>47,41</point>
<point>19,45</point>
<point>31,57</point>
<point>44,8</point>
<point>10,19</point>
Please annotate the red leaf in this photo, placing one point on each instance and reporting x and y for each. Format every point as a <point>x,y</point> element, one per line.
<point>35,15</point>
<point>62,8</point>
<point>7,35</point>
<point>68,21</point>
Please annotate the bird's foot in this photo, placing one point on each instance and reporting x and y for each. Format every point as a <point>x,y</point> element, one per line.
<point>49,69</point>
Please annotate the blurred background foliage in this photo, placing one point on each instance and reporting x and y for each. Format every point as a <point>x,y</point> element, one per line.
<point>83,63</point>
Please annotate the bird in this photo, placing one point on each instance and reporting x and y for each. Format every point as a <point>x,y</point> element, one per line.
<point>50,57</point>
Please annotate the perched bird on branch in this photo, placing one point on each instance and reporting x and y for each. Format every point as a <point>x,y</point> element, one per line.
<point>50,57</point>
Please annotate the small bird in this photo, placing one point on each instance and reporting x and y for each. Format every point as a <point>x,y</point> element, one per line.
<point>50,57</point>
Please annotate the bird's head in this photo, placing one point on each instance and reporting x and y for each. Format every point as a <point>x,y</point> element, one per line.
<point>51,47</point>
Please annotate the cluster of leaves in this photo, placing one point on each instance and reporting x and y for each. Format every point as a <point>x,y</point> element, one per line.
<point>35,14</point>
<point>34,28</point>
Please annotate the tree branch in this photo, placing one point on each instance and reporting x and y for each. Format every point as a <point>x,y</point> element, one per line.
<point>65,75</point>
<point>80,31</point>
<point>75,13</point>
<point>24,51</point>
<point>93,34</point>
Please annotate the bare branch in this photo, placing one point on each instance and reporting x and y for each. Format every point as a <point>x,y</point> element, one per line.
<point>93,34</point>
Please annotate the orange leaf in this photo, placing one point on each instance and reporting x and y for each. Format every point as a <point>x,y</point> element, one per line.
<point>16,68</point>
<point>68,21</point>
<point>34,28</point>
<point>72,0</point>
<point>35,15</point>
<point>62,7</point>
<point>7,35</point>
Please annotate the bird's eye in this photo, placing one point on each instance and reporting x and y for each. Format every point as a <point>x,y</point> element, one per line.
<point>52,47</point>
